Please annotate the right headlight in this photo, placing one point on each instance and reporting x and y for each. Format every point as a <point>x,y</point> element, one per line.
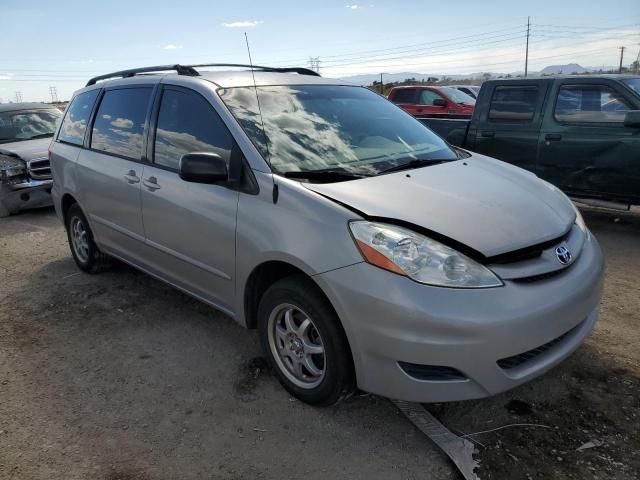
<point>418,257</point>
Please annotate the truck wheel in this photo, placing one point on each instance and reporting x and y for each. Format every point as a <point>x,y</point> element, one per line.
<point>302,337</point>
<point>85,252</point>
<point>4,211</point>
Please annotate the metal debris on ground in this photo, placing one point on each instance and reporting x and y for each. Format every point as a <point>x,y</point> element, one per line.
<point>590,444</point>
<point>459,450</point>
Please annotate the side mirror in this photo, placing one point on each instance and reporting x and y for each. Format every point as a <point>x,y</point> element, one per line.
<point>439,102</point>
<point>632,119</point>
<point>203,168</point>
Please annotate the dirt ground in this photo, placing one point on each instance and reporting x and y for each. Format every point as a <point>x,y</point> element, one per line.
<point>118,377</point>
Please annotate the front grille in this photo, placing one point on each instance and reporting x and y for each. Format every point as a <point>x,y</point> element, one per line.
<point>40,169</point>
<point>515,361</point>
<point>542,276</point>
<point>431,372</point>
<point>526,253</point>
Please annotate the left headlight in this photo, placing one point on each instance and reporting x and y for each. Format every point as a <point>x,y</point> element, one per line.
<point>418,257</point>
<point>11,167</point>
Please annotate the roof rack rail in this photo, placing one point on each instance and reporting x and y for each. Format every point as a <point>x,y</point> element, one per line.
<point>191,70</point>
<point>181,69</point>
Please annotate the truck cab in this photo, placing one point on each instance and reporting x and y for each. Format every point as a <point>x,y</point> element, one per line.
<point>580,133</point>
<point>433,101</point>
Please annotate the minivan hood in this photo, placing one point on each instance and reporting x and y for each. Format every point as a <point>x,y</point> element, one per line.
<point>483,203</point>
<point>27,149</point>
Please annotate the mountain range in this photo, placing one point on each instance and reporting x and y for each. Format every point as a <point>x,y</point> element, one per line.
<point>368,79</point>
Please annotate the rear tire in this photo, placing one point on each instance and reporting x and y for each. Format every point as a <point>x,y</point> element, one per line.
<point>303,339</point>
<point>84,250</point>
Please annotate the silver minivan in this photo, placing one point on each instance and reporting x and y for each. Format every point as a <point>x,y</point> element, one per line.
<point>366,251</point>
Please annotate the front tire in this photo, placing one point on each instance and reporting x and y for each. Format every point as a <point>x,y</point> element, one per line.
<point>84,250</point>
<point>303,339</point>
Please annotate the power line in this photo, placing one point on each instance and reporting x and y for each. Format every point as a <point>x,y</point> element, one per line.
<point>526,55</point>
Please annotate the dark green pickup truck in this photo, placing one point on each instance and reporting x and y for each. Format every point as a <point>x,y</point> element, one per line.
<point>580,133</point>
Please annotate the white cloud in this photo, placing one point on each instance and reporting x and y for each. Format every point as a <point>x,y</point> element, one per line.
<point>171,46</point>
<point>354,6</point>
<point>244,23</point>
<point>5,76</point>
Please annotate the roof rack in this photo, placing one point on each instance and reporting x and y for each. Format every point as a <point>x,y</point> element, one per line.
<point>191,70</point>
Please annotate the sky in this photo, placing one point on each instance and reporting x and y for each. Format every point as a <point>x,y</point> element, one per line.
<point>63,43</point>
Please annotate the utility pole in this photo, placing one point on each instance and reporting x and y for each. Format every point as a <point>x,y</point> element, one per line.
<point>621,57</point>
<point>381,85</point>
<point>314,64</point>
<point>53,91</point>
<point>526,54</point>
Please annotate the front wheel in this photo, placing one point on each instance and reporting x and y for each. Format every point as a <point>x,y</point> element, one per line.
<point>304,341</point>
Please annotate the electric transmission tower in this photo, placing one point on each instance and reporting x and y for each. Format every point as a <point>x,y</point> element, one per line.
<point>314,64</point>
<point>53,91</point>
<point>18,97</point>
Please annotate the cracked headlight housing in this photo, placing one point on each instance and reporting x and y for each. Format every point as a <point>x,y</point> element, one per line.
<point>11,167</point>
<point>418,257</point>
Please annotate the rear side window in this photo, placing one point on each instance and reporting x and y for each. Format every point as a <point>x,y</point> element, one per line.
<point>514,104</point>
<point>75,121</point>
<point>119,125</point>
<point>404,95</point>
<point>590,104</point>
<point>427,97</point>
<point>188,124</point>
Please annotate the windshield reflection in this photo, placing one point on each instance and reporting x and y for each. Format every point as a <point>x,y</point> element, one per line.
<point>23,125</point>
<point>320,127</point>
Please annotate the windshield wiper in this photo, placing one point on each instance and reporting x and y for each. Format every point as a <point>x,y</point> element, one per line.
<point>42,135</point>
<point>325,176</point>
<point>416,163</point>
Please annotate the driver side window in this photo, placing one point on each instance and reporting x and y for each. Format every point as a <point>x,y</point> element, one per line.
<point>188,124</point>
<point>427,97</point>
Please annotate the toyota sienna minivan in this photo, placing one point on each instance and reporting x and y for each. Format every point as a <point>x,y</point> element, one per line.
<point>366,251</point>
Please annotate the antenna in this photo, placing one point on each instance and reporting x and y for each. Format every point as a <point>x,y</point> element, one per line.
<point>255,87</point>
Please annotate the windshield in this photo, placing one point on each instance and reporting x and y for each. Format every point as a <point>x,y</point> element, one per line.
<point>633,83</point>
<point>322,127</point>
<point>458,96</point>
<point>19,125</point>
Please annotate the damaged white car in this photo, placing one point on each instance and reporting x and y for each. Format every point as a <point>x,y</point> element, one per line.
<point>25,134</point>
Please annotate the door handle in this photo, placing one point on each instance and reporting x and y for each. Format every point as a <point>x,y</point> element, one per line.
<point>131,177</point>
<point>488,134</point>
<point>553,136</point>
<point>151,183</point>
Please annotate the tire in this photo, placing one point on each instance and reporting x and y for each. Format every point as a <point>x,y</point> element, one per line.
<point>84,250</point>
<point>294,352</point>
<point>4,211</point>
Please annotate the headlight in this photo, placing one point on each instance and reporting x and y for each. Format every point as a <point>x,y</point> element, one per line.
<point>11,167</point>
<point>420,258</point>
<point>579,220</point>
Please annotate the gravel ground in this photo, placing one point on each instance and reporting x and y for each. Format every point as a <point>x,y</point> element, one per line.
<point>116,376</point>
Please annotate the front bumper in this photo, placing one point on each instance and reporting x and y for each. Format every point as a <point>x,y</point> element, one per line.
<point>25,194</point>
<point>390,319</point>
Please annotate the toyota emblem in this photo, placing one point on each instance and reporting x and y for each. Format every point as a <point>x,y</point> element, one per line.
<point>563,254</point>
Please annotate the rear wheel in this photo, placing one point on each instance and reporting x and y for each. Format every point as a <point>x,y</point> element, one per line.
<point>85,252</point>
<point>304,341</point>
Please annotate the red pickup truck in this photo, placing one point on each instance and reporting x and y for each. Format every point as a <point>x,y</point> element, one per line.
<point>429,101</point>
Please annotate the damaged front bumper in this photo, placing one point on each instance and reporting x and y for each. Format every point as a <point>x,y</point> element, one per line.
<point>23,194</point>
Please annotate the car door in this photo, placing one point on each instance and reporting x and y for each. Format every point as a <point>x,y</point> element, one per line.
<point>109,172</point>
<point>425,106</point>
<point>509,129</point>
<point>189,227</point>
<point>585,148</point>
<point>407,99</point>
